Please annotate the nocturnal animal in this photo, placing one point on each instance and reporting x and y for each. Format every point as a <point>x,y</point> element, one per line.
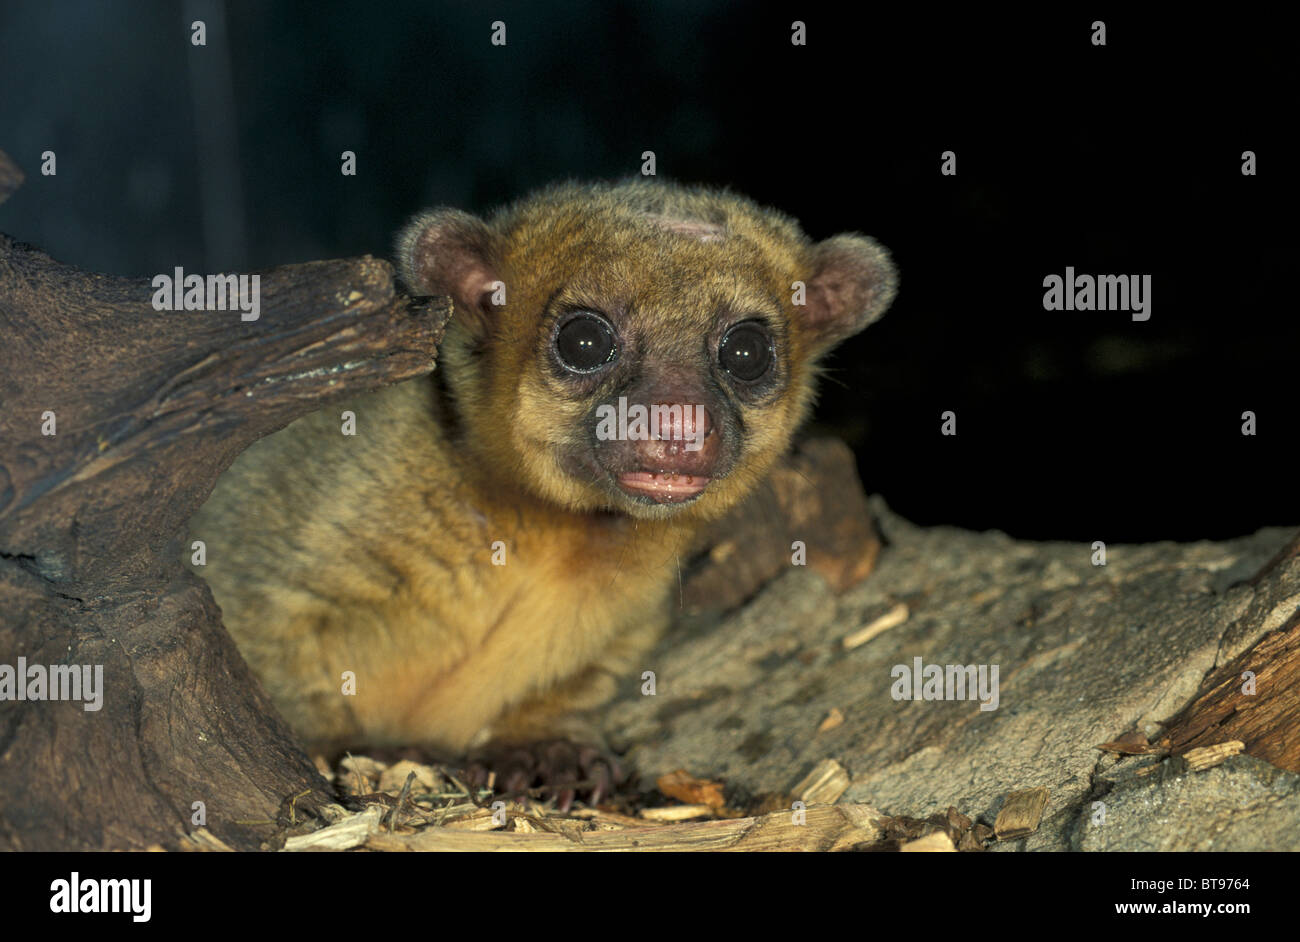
<point>498,545</point>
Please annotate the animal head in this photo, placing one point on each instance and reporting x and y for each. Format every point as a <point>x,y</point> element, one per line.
<point>637,347</point>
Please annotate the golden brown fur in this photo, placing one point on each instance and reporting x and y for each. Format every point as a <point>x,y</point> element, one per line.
<point>373,553</point>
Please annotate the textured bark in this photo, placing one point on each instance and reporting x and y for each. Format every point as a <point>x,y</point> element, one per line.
<point>801,676</point>
<point>812,497</point>
<point>1266,715</point>
<point>151,406</point>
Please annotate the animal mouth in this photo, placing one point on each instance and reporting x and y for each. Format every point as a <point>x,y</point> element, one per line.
<point>663,487</point>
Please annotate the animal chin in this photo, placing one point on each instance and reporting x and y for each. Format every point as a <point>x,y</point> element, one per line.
<point>662,487</point>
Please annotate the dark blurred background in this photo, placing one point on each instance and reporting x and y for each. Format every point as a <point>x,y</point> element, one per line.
<point>1117,160</point>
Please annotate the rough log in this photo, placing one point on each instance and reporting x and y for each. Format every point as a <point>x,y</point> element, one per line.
<point>801,676</point>
<point>149,407</point>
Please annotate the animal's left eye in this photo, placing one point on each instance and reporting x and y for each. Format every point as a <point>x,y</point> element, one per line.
<point>746,351</point>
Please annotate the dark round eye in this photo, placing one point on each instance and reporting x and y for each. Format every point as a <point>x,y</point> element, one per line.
<point>585,343</point>
<point>746,351</point>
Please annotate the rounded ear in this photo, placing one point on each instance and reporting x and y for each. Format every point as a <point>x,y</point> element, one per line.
<point>853,282</point>
<point>447,251</point>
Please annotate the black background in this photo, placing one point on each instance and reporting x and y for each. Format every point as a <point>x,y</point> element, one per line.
<point>1123,159</point>
<point>243,891</point>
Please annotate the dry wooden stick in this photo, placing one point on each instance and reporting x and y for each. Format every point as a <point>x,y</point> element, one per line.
<point>836,827</point>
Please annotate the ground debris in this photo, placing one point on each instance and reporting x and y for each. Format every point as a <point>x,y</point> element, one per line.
<point>1207,757</point>
<point>425,807</point>
<point>899,831</point>
<point>690,790</point>
<point>891,619</point>
<point>1020,814</point>
<point>823,785</point>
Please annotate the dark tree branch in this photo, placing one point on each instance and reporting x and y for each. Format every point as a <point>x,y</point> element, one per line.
<point>151,406</point>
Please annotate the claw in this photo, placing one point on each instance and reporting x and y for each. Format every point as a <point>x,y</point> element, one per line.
<point>558,768</point>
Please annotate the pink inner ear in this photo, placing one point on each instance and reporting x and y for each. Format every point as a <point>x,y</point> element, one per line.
<point>471,284</point>
<point>474,282</point>
<point>446,264</point>
<point>828,298</point>
<point>853,285</point>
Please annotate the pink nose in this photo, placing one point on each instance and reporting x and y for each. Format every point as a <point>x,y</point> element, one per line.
<point>684,443</point>
<point>679,422</point>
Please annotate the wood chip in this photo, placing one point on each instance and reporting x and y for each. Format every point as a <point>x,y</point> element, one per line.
<point>352,832</point>
<point>607,819</point>
<point>393,778</point>
<point>677,813</point>
<point>204,840</point>
<point>690,790</point>
<point>1020,814</point>
<point>823,785</point>
<point>833,719</point>
<point>1207,757</point>
<point>1132,743</point>
<point>935,841</point>
<point>891,619</point>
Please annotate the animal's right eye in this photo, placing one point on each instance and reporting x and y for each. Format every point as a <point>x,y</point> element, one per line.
<point>585,343</point>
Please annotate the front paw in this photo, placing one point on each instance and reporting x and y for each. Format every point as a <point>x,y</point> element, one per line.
<point>552,768</point>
